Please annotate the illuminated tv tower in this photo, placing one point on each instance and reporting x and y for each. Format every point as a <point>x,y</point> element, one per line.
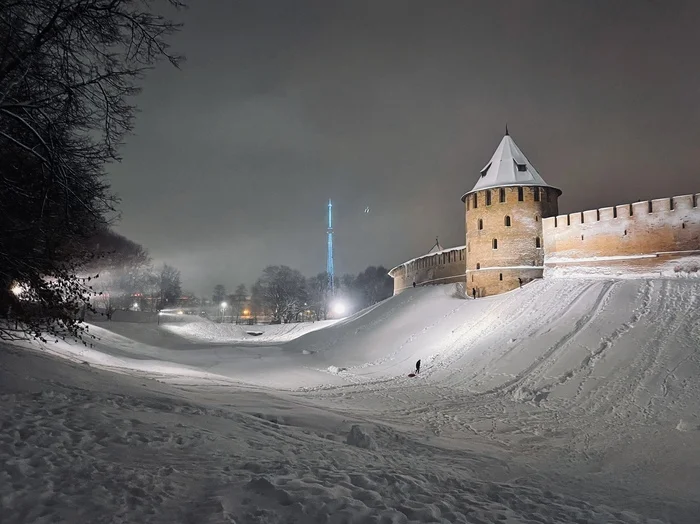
<point>329,264</point>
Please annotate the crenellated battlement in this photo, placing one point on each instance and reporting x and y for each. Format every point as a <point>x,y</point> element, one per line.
<point>675,205</point>
<point>441,267</point>
<point>663,225</point>
<point>514,235</point>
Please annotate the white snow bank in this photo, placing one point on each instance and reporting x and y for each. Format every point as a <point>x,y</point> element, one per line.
<point>78,445</point>
<point>236,334</point>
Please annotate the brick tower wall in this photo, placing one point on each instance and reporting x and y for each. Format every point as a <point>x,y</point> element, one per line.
<point>513,217</point>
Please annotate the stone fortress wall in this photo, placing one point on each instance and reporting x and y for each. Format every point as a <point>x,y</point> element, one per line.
<point>442,267</point>
<point>642,237</point>
<point>514,234</point>
<point>639,238</point>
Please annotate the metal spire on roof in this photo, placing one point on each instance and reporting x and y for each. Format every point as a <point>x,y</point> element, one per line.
<point>507,134</point>
<point>436,245</point>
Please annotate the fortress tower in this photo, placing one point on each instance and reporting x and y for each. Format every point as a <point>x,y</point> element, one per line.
<point>504,213</point>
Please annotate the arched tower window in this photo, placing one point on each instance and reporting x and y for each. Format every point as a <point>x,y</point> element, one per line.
<point>506,221</point>
<point>476,201</point>
<point>488,197</point>
<point>537,194</point>
<point>520,194</point>
<point>481,224</point>
<point>478,266</point>
<point>500,276</point>
<point>502,195</point>
<point>538,242</point>
<point>494,243</point>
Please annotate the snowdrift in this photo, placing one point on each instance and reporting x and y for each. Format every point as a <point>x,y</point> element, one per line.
<point>556,402</point>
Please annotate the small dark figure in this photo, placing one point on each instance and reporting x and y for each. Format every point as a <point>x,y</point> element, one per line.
<point>520,281</point>
<point>414,284</point>
<point>473,292</point>
<point>417,367</point>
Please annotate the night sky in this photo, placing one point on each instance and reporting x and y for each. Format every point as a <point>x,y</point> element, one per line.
<point>397,106</point>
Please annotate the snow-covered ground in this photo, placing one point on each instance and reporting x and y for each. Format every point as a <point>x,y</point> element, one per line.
<point>565,401</point>
<point>204,330</point>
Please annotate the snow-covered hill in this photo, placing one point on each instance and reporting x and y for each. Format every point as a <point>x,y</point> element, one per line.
<point>556,402</point>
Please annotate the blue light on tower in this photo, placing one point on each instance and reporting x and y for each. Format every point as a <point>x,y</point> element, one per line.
<point>329,264</point>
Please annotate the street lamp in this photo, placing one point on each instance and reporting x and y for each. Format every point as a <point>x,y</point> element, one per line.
<point>223,310</point>
<point>339,308</point>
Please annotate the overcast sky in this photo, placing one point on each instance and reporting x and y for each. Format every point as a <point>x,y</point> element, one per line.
<point>397,106</point>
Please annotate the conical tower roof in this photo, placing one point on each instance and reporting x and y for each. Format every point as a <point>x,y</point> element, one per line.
<point>508,167</point>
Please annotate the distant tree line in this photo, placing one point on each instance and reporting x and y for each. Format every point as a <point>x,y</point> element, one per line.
<point>283,294</point>
<point>127,277</point>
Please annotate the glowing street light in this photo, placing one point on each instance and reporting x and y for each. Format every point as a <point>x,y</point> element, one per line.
<point>223,311</point>
<point>17,290</point>
<point>339,308</point>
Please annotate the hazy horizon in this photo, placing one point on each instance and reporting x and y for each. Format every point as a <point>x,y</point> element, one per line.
<point>395,106</point>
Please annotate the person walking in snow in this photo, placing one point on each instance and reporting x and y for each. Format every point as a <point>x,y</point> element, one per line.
<point>520,281</point>
<point>418,367</point>
<point>414,284</point>
<point>474,292</point>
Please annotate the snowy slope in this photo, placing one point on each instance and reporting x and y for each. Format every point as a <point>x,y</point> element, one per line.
<point>183,331</point>
<point>235,334</point>
<point>81,445</point>
<point>569,390</point>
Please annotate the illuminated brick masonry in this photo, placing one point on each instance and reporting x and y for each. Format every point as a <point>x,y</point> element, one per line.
<point>514,234</point>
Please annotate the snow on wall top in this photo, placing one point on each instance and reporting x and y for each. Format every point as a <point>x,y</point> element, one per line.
<point>651,227</point>
<point>662,208</point>
<point>432,253</point>
<point>508,167</point>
